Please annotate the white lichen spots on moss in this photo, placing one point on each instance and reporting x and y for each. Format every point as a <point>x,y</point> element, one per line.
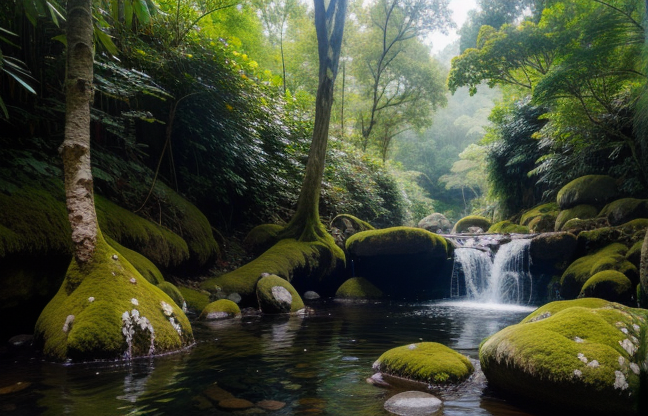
<point>176,326</point>
<point>184,306</point>
<point>541,317</point>
<point>114,257</point>
<point>133,281</point>
<point>635,368</point>
<point>627,345</point>
<point>621,361</point>
<point>593,364</point>
<point>130,322</point>
<point>578,373</point>
<point>114,274</point>
<point>68,323</point>
<point>624,330</point>
<point>620,381</point>
<point>579,340</point>
<point>166,308</point>
<point>636,327</point>
<point>134,302</point>
<point>91,299</point>
<point>582,357</point>
<point>634,339</point>
<point>412,346</point>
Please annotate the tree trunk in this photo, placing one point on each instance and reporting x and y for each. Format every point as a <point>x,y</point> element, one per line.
<point>329,24</point>
<point>75,150</point>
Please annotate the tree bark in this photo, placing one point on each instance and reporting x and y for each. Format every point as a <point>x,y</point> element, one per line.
<point>75,150</point>
<point>329,24</point>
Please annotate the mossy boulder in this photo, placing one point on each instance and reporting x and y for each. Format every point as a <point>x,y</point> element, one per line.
<point>425,362</point>
<point>471,222</point>
<point>508,227</point>
<point>634,254</point>
<point>196,300</point>
<point>172,291</point>
<point>625,210</point>
<point>556,250</point>
<point>358,288</point>
<point>277,295</point>
<point>609,285</point>
<point>583,356</point>
<point>105,309</point>
<point>221,309</point>
<point>261,238</point>
<point>395,241</point>
<point>541,211</point>
<point>542,224</point>
<point>581,212</point>
<point>627,234</point>
<point>143,265</point>
<point>436,223</point>
<point>308,266</point>
<point>344,226</point>
<point>611,257</point>
<point>596,190</point>
<point>576,225</point>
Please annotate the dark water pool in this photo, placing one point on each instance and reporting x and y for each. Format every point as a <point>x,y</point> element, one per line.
<point>316,365</point>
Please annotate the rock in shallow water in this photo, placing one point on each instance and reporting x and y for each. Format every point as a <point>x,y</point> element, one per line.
<point>413,403</point>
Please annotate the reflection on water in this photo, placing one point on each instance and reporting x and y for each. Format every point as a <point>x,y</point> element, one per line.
<point>315,365</point>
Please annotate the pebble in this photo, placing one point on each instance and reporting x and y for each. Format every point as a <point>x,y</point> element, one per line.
<point>310,295</point>
<point>413,403</point>
<point>15,388</point>
<point>235,404</point>
<point>217,394</point>
<point>271,405</point>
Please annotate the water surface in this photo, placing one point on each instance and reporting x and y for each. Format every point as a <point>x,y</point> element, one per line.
<point>316,365</point>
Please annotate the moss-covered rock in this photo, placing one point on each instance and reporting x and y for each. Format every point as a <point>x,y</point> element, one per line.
<point>143,265</point>
<point>596,190</point>
<point>436,223</point>
<point>344,226</point>
<point>627,234</point>
<point>261,238</point>
<point>625,210</point>
<point>554,249</point>
<point>397,240</point>
<point>609,285</point>
<point>541,211</point>
<point>581,212</point>
<point>471,222</point>
<point>106,309</point>
<point>634,254</point>
<point>576,225</point>
<point>358,288</point>
<point>196,300</point>
<point>172,291</point>
<point>305,265</point>
<point>277,295</point>
<point>508,227</point>
<point>611,257</point>
<point>426,362</point>
<point>221,309</point>
<point>580,356</point>
<point>543,224</point>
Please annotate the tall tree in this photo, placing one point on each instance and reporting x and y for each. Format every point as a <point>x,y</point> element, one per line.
<point>329,23</point>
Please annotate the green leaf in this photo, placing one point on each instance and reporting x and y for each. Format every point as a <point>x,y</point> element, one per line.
<point>55,11</point>
<point>4,109</point>
<point>30,11</point>
<point>61,38</point>
<point>20,81</point>
<point>142,11</point>
<point>128,12</point>
<point>105,40</point>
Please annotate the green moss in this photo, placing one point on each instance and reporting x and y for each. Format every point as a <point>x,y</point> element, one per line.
<point>581,212</point>
<point>33,221</point>
<point>196,299</point>
<point>611,257</point>
<point>358,288</point>
<point>97,295</point>
<point>551,209</point>
<point>267,299</point>
<point>634,254</point>
<point>288,259</point>
<point>172,291</point>
<point>609,285</point>
<point>427,362</point>
<point>192,225</point>
<point>262,237</point>
<point>594,190</point>
<point>471,221</point>
<point>343,221</point>
<point>221,309</point>
<point>397,240</point>
<point>158,244</point>
<point>624,210</point>
<point>143,265</point>
<point>507,227</point>
<point>570,355</point>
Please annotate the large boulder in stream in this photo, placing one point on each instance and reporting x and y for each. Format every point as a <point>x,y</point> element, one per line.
<point>596,190</point>
<point>609,285</point>
<point>553,251</point>
<point>471,224</point>
<point>625,210</point>
<point>586,356</point>
<point>403,262</point>
<point>358,288</point>
<point>436,223</point>
<point>277,295</point>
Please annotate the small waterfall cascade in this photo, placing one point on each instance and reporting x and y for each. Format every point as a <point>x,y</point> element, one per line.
<point>502,279</point>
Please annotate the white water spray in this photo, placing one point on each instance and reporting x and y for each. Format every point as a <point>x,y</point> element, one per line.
<point>506,280</point>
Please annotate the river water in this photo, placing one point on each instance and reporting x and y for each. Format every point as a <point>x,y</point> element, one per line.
<point>316,364</point>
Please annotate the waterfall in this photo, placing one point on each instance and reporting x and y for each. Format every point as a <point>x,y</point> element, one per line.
<point>504,279</point>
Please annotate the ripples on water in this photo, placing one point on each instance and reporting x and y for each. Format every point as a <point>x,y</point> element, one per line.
<point>316,365</point>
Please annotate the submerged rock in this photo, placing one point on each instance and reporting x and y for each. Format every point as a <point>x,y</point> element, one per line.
<point>413,403</point>
<point>310,295</point>
<point>582,355</point>
<point>358,288</point>
<point>221,309</point>
<point>425,362</point>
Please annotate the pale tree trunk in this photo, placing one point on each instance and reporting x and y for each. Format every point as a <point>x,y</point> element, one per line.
<point>75,150</point>
<point>329,24</point>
